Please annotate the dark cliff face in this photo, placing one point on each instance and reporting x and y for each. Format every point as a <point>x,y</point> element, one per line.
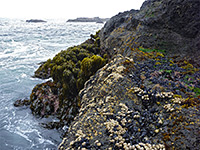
<point>181,16</point>
<point>171,25</point>
<point>116,22</point>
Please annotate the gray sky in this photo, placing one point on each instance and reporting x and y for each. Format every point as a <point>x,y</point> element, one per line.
<point>66,9</point>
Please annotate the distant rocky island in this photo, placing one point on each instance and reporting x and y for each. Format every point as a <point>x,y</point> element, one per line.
<point>86,19</point>
<point>35,20</point>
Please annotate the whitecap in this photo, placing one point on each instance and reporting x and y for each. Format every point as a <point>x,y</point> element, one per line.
<point>8,51</point>
<point>23,135</point>
<point>23,75</point>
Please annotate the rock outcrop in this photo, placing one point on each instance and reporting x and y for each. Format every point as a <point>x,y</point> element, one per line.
<point>169,25</point>
<point>129,104</point>
<point>147,96</point>
<point>35,21</point>
<point>143,98</point>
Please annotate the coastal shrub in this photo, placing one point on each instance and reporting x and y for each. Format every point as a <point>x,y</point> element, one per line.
<point>69,58</point>
<point>75,72</point>
<point>90,65</point>
<point>67,74</point>
<point>97,42</point>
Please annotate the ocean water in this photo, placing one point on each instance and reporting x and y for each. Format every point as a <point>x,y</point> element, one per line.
<point>22,46</point>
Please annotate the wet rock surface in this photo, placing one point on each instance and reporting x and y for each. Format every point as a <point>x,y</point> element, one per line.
<point>22,102</point>
<point>44,99</point>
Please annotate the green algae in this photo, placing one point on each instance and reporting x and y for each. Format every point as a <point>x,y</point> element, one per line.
<point>151,50</point>
<point>197,91</point>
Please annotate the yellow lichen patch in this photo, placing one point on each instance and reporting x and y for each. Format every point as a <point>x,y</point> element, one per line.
<point>157,63</point>
<point>120,30</point>
<point>159,54</point>
<point>190,102</point>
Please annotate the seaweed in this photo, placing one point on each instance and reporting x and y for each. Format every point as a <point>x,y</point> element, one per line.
<point>89,66</point>
<point>69,69</point>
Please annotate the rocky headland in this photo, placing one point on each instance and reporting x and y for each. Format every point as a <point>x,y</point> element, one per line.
<point>135,84</point>
<point>86,19</point>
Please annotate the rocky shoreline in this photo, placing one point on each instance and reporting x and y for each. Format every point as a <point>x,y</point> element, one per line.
<point>133,85</point>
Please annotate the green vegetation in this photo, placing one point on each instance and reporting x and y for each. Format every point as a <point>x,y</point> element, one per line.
<point>151,50</point>
<point>168,71</point>
<point>197,91</point>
